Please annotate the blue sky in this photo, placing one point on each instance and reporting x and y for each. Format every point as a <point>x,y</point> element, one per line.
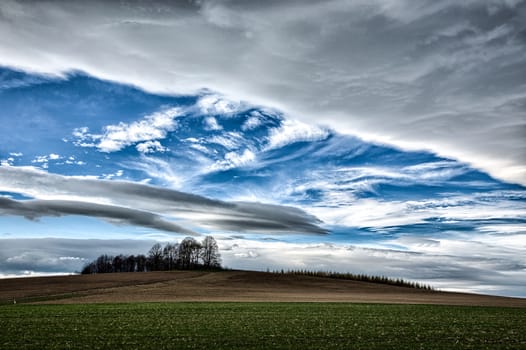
<point>369,168</point>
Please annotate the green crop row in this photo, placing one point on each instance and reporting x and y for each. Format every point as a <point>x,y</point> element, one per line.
<point>260,326</point>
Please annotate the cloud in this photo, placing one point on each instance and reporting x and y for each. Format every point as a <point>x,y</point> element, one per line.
<point>252,122</point>
<point>159,169</point>
<point>46,256</point>
<point>449,264</point>
<point>230,140</point>
<point>150,147</point>
<point>442,76</point>
<point>34,209</point>
<point>211,124</point>
<point>234,160</point>
<point>112,196</point>
<point>378,213</point>
<point>292,131</point>
<point>116,137</point>
<point>217,105</point>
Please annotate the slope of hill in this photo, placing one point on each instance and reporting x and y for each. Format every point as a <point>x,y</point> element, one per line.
<point>225,286</point>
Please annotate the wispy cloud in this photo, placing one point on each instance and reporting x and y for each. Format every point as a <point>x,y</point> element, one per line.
<point>370,212</point>
<point>234,160</point>
<point>292,131</point>
<point>230,140</point>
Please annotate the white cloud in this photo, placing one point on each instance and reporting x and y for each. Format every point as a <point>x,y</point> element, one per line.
<point>116,137</point>
<point>7,162</point>
<point>152,127</point>
<point>292,131</point>
<point>234,160</point>
<point>217,105</point>
<point>252,122</point>
<point>44,160</point>
<point>16,154</point>
<point>211,124</point>
<point>118,173</point>
<point>197,144</point>
<point>40,159</point>
<point>84,138</point>
<point>150,147</point>
<point>200,148</point>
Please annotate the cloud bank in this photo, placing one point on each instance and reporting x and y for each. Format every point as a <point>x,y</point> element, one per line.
<point>67,195</point>
<point>30,257</point>
<point>444,76</point>
<point>443,263</point>
<point>34,209</point>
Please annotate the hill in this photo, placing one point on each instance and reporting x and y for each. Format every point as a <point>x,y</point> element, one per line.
<point>225,286</point>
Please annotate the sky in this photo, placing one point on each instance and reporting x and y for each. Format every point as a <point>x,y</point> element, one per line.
<point>377,137</point>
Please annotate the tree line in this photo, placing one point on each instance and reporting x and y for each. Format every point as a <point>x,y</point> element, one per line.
<point>357,277</point>
<point>189,254</point>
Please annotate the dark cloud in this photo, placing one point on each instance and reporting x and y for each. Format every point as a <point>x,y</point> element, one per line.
<point>150,204</point>
<point>273,218</point>
<point>33,209</point>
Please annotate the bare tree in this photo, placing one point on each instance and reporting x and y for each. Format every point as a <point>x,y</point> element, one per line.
<point>130,264</point>
<point>155,257</point>
<point>210,253</point>
<point>196,253</point>
<point>118,263</point>
<point>104,264</point>
<point>189,253</point>
<point>170,255</point>
<point>141,261</point>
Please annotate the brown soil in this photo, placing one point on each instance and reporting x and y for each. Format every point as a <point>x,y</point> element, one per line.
<point>225,286</point>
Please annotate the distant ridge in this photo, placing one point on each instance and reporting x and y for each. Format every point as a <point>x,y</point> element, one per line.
<point>232,286</point>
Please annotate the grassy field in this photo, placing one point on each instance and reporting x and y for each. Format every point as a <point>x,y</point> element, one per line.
<point>260,326</point>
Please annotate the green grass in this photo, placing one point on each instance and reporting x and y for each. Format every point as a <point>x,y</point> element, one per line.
<point>260,326</point>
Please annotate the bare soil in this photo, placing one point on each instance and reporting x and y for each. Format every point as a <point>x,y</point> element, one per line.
<point>247,286</point>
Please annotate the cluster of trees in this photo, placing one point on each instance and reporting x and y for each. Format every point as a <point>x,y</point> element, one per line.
<point>187,255</point>
<point>357,277</point>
